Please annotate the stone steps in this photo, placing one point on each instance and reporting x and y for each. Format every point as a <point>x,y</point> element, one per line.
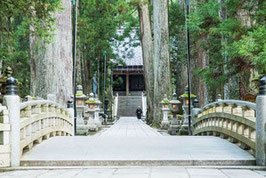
<point>127,105</point>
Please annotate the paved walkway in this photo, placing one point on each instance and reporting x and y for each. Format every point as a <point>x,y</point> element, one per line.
<point>134,172</point>
<point>130,127</point>
<point>130,142</point>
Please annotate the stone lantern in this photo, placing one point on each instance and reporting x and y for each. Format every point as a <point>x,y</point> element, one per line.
<point>185,108</point>
<point>175,108</point>
<point>80,97</point>
<point>89,113</point>
<point>80,101</point>
<point>165,109</point>
<point>219,97</point>
<point>97,111</point>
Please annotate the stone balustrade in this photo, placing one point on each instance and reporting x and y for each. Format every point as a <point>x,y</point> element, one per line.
<point>42,119</point>
<point>144,104</point>
<point>230,119</point>
<point>115,107</point>
<point>4,137</point>
<point>38,120</point>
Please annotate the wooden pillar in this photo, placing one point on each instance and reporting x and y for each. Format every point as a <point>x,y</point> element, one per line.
<point>127,84</point>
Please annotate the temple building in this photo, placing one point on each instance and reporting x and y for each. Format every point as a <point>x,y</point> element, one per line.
<point>128,76</point>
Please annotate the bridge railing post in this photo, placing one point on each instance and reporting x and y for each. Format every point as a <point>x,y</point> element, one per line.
<point>195,111</point>
<point>71,111</point>
<point>260,124</point>
<point>12,101</point>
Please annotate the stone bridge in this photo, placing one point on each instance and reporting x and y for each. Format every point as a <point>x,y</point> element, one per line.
<point>131,141</point>
<point>22,125</point>
<point>242,123</point>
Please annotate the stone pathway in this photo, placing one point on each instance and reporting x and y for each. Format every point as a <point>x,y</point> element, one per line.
<point>134,172</point>
<point>130,142</point>
<point>130,127</point>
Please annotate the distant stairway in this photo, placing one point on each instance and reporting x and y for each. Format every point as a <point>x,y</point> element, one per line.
<point>127,105</point>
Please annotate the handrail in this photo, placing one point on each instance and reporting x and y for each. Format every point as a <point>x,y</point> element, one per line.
<point>236,102</point>
<point>116,105</point>
<point>4,139</point>
<point>231,119</point>
<point>144,104</point>
<point>35,102</point>
<point>42,119</point>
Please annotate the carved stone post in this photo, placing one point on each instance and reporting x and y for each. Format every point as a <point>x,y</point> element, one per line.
<point>12,102</point>
<point>89,114</point>
<point>97,111</point>
<point>195,111</point>
<point>260,124</point>
<point>165,122</point>
<point>71,111</point>
<point>51,97</point>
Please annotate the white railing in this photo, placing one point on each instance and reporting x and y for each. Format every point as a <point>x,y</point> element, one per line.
<point>115,105</point>
<point>38,120</point>
<point>230,119</point>
<point>43,119</point>
<point>144,104</point>
<point>4,137</point>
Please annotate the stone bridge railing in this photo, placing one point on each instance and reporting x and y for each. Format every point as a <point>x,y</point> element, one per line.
<point>230,119</point>
<point>115,107</point>
<point>240,122</point>
<point>42,119</point>
<point>24,124</point>
<point>4,137</point>
<point>39,120</point>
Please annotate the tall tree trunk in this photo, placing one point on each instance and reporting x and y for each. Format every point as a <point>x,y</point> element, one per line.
<point>51,65</point>
<point>222,14</point>
<point>162,84</point>
<point>85,73</point>
<point>147,52</point>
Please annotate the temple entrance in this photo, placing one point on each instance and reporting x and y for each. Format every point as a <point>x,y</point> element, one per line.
<point>128,81</point>
<point>136,83</point>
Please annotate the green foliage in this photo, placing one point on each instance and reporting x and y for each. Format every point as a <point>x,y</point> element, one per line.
<point>253,47</point>
<point>98,23</point>
<point>90,101</point>
<point>118,82</point>
<point>177,33</point>
<point>18,20</point>
<point>186,95</point>
<point>232,46</point>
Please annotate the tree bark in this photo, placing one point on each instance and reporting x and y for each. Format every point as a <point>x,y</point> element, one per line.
<point>162,77</point>
<point>51,64</point>
<point>147,52</point>
<point>199,87</point>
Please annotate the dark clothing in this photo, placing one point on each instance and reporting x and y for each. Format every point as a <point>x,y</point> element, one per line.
<point>139,112</point>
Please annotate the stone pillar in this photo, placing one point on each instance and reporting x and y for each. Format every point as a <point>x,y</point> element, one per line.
<point>260,124</point>
<point>51,97</point>
<point>12,101</point>
<point>70,109</point>
<point>91,125</point>
<point>165,122</point>
<point>28,98</point>
<point>97,119</point>
<point>195,111</point>
<point>127,84</point>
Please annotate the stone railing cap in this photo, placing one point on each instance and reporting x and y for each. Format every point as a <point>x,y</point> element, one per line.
<point>232,102</point>
<point>37,102</point>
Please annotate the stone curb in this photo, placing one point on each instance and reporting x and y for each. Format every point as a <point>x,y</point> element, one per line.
<point>139,163</point>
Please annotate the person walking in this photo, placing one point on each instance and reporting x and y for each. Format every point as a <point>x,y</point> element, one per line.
<point>139,112</point>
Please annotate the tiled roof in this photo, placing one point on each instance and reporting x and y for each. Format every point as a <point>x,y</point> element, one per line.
<point>130,54</point>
